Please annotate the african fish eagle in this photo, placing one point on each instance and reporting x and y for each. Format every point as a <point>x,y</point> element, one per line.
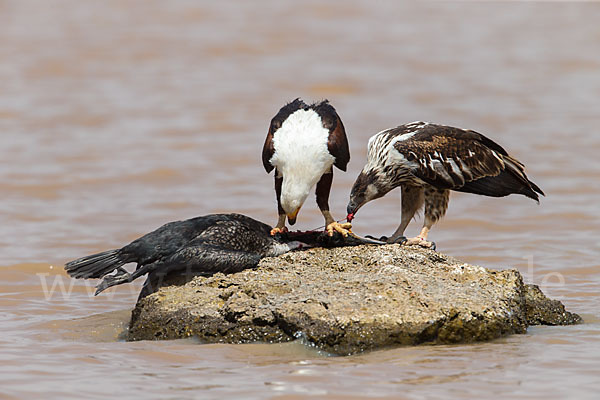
<point>427,161</point>
<point>303,144</point>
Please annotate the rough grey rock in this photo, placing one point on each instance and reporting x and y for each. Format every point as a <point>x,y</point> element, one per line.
<point>349,299</point>
<point>540,310</point>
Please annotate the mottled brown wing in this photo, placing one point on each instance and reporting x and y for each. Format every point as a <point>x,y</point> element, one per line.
<point>450,157</point>
<point>338,146</point>
<point>268,150</point>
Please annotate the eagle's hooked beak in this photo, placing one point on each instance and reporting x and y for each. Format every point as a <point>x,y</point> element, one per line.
<point>292,216</point>
<point>352,209</point>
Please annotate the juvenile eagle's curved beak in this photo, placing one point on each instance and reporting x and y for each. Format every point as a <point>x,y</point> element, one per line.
<point>352,209</point>
<point>292,216</point>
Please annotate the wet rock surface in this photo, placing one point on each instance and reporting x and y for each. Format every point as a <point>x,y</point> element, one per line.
<point>350,299</point>
<point>540,310</point>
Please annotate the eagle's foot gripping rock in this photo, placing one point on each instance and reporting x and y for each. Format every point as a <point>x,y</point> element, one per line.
<point>419,241</point>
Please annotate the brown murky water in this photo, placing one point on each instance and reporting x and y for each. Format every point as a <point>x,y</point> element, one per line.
<point>116,117</point>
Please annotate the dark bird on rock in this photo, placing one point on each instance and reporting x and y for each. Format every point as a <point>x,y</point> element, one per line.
<point>427,161</point>
<point>303,144</point>
<point>202,245</point>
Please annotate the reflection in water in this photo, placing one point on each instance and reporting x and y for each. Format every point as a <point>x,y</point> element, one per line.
<point>117,117</point>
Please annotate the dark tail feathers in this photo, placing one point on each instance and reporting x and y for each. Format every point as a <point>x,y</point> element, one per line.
<point>502,185</point>
<point>95,266</point>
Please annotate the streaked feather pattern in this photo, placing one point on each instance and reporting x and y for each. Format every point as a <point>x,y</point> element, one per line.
<point>447,158</point>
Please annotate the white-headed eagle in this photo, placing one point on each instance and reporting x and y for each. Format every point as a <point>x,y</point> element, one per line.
<point>427,161</point>
<point>303,144</point>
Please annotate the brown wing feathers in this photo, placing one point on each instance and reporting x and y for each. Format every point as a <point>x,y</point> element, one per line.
<point>268,150</point>
<point>466,161</point>
<point>338,146</point>
<point>338,142</point>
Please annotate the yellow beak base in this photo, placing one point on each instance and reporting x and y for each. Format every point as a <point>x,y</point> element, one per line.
<point>292,217</point>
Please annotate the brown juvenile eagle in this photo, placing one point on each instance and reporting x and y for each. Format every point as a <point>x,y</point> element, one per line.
<point>303,144</point>
<point>427,161</point>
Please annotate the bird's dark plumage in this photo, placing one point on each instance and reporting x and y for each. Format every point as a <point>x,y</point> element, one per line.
<point>427,160</point>
<point>207,244</point>
<point>337,143</point>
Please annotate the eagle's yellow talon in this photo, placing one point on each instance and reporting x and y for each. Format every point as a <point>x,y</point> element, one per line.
<point>277,230</point>
<point>343,229</point>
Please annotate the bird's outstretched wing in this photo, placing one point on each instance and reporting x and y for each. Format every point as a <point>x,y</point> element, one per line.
<point>464,160</point>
